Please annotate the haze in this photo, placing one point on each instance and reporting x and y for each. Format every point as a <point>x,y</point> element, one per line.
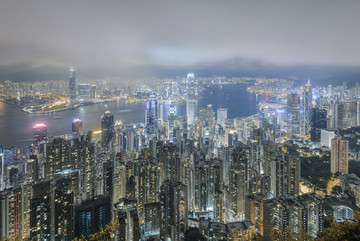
<point>147,37</point>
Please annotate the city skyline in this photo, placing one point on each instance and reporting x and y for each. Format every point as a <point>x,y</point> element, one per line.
<point>179,121</point>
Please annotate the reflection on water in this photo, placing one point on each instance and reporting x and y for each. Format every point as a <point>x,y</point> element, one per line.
<point>16,125</point>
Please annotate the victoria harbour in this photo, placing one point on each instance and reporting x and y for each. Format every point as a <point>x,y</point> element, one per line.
<point>16,125</point>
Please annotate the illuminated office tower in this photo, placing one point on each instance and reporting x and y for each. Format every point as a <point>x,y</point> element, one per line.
<point>307,105</point>
<point>108,130</point>
<point>345,113</point>
<point>39,132</point>
<point>151,112</point>
<point>318,122</point>
<point>190,99</point>
<point>221,116</point>
<point>293,116</point>
<point>174,211</point>
<point>72,85</point>
<point>171,122</point>
<point>118,142</point>
<point>84,92</point>
<point>339,155</point>
<point>77,128</point>
<point>93,92</point>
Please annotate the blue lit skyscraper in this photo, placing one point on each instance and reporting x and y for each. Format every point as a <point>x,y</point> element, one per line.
<point>151,111</point>
<point>72,85</point>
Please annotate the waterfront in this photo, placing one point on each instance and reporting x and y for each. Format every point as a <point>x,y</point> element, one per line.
<point>16,125</point>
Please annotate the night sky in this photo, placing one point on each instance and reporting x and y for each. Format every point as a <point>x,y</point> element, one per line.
<point>39,39</point>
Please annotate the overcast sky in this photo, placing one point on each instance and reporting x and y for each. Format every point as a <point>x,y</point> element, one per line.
<point>134,34</point>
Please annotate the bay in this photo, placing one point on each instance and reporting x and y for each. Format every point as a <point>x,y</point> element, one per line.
<point>16,125</point>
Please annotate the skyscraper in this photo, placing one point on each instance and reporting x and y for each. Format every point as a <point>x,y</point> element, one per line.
<point>72,85</point>
<point>107,126</point>
<point>77,128</point>
<point>221,116</point>
<point>39,132</point>
<point>318,122</point>
<point>151,113</point>
<point>345,114</point>
<point>84,91</point>
<point>190,99</point>
<point>293,116</point>
<point>339,155</point>
<point>171,122</point>
<point>2,164</point>
<point>174,211</point>
<point>306,109</point>
<point>238,183</point>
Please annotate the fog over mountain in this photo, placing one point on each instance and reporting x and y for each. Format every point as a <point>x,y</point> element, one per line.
<point>134,39</point>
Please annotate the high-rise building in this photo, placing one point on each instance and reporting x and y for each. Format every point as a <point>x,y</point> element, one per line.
<point>339,155</point>
<point>40,214</point>
<point>84,91</point>
<point>57,157</point>
<point>326,137</point>
<point>208,183</point>
<point>72,85</point>
<point>151,112</point>
<point>169,163</point>
<point>284,175</point>
<point>221,116</point>
<point>63,210</point>
<point>174,211</point>
<point>108,130</point>
<point>2,166</point>
<point>293,116</point>
<point>238,183</point>
<point>345,113</point>
<point>92,215</point>
<point>152,219</point>
<point>93,92</point>
<point>147,176</point>
<point>191,99</point>
<point>77,128</point>
<point>318,122</point>
<point>4,215</point>
<point>39,132</point>
<point>171,121</point>
<point>306,109</point>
